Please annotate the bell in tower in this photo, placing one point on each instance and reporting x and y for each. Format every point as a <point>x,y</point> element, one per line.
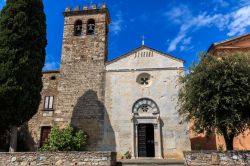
<point>91,27</point>
<point>78,28</point>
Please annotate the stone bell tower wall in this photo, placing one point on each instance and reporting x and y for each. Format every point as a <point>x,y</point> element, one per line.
<point>81,86</point>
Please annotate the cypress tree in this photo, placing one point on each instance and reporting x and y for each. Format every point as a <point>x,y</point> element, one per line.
<point>22,56</point>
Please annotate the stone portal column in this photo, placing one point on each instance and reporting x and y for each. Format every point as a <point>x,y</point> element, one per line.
<point>136,140</point>
<point>160,136</point>
<point>133,137</point>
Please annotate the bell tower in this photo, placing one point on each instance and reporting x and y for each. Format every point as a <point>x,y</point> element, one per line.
<point>81,87</point>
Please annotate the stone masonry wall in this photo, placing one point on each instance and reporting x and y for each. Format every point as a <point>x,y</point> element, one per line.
<point>42,117</point>
<point>60,159</point>
<point>81,85</point>
<point>207,158</point>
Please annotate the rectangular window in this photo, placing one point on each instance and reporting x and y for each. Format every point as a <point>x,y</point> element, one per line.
<point>48,102</point>
<point>45,130</point>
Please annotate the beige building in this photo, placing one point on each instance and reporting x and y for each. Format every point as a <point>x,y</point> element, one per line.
<point>127,105</point>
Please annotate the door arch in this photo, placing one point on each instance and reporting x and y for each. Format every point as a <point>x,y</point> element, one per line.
<point>146,129</point>
<point>145,106</point>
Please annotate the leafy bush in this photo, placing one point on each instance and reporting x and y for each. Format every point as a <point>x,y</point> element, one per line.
<point>66,139</point>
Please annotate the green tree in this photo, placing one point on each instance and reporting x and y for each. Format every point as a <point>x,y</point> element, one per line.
<point>66,139</point>
<point>22,55</point>
<point>216,95</point>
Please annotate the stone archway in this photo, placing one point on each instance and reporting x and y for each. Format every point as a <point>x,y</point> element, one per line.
<point>146,129</point>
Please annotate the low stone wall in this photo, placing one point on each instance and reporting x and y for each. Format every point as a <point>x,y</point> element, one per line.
<point>202,158</point>
<point>58,158</point>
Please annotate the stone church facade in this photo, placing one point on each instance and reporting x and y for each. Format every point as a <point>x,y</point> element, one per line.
<point>126,105</point>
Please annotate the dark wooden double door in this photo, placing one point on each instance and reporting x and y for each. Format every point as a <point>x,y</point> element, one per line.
<point>146,146</point>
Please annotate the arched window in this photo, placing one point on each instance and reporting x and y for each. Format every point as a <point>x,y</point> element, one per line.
<point>90,27</point>
<point>78,28</point>
<point>145,105</point>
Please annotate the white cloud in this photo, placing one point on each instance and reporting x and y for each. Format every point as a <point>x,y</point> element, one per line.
<point>187,41</point>
<point>117,24</point>
<point>240,21</point>
<point>173,44</point>
<point>235,23</point>
<point>178,14</point>
<point>185,44</point>
<point>51,63</point>
<point>202,20</point>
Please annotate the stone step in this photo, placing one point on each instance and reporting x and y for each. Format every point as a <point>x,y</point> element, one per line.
<point>149,162</point>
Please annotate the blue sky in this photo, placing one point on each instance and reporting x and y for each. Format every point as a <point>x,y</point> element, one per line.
<point>178,27</point>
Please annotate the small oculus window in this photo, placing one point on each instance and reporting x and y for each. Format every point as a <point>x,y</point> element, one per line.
<point>144,79</point>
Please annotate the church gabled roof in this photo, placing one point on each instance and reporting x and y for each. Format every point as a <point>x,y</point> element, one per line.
<point>141,48</point>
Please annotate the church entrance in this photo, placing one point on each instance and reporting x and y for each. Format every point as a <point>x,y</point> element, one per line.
<point>146,146</point>
<point>146,129</point>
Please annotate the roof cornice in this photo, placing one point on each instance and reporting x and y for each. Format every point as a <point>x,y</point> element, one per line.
<point>140,48</point>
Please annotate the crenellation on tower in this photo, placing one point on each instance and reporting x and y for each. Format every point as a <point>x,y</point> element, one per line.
<point>67,9</point>
<point>103,6</point>
<point>85,7</point>
<point>94,6</point>
<point>77,8</point>
<point>88,10</point>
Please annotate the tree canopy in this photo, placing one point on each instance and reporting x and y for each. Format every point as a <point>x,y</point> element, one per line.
<point>22,56</point>
<point>216,95</point>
